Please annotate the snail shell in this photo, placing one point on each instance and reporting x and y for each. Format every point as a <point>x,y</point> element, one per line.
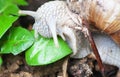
<point>103,13</point>
<point>54,18</point>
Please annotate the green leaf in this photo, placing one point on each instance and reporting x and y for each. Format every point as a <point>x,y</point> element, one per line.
<point>44,51</point>
<point>20,2</point>
<point>18,40</point>
<point>1,61</point>
<point>8,14</point>
<point>5,23</point>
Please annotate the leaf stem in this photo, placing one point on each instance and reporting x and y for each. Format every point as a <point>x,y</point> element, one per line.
<point>93,46</point>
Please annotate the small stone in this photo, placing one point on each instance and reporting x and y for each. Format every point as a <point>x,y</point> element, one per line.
<point>13,67</point>
<point>25,74</point>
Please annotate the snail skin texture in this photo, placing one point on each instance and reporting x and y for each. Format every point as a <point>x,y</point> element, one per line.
<point>54,18</point>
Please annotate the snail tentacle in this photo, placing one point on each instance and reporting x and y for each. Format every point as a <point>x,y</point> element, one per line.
<point>31,13</point>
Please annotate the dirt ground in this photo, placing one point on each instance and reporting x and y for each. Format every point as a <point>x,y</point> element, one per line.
<point>15,66</point>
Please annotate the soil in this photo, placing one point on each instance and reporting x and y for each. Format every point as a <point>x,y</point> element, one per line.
<point>15,66</point>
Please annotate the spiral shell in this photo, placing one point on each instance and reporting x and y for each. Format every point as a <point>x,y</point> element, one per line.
<point>104,14</point>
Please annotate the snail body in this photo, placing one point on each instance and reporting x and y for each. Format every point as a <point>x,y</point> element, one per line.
<point>54,18</point>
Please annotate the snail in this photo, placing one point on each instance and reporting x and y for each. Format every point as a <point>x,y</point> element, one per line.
<point>60,17</point>
<point>54,18</point>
